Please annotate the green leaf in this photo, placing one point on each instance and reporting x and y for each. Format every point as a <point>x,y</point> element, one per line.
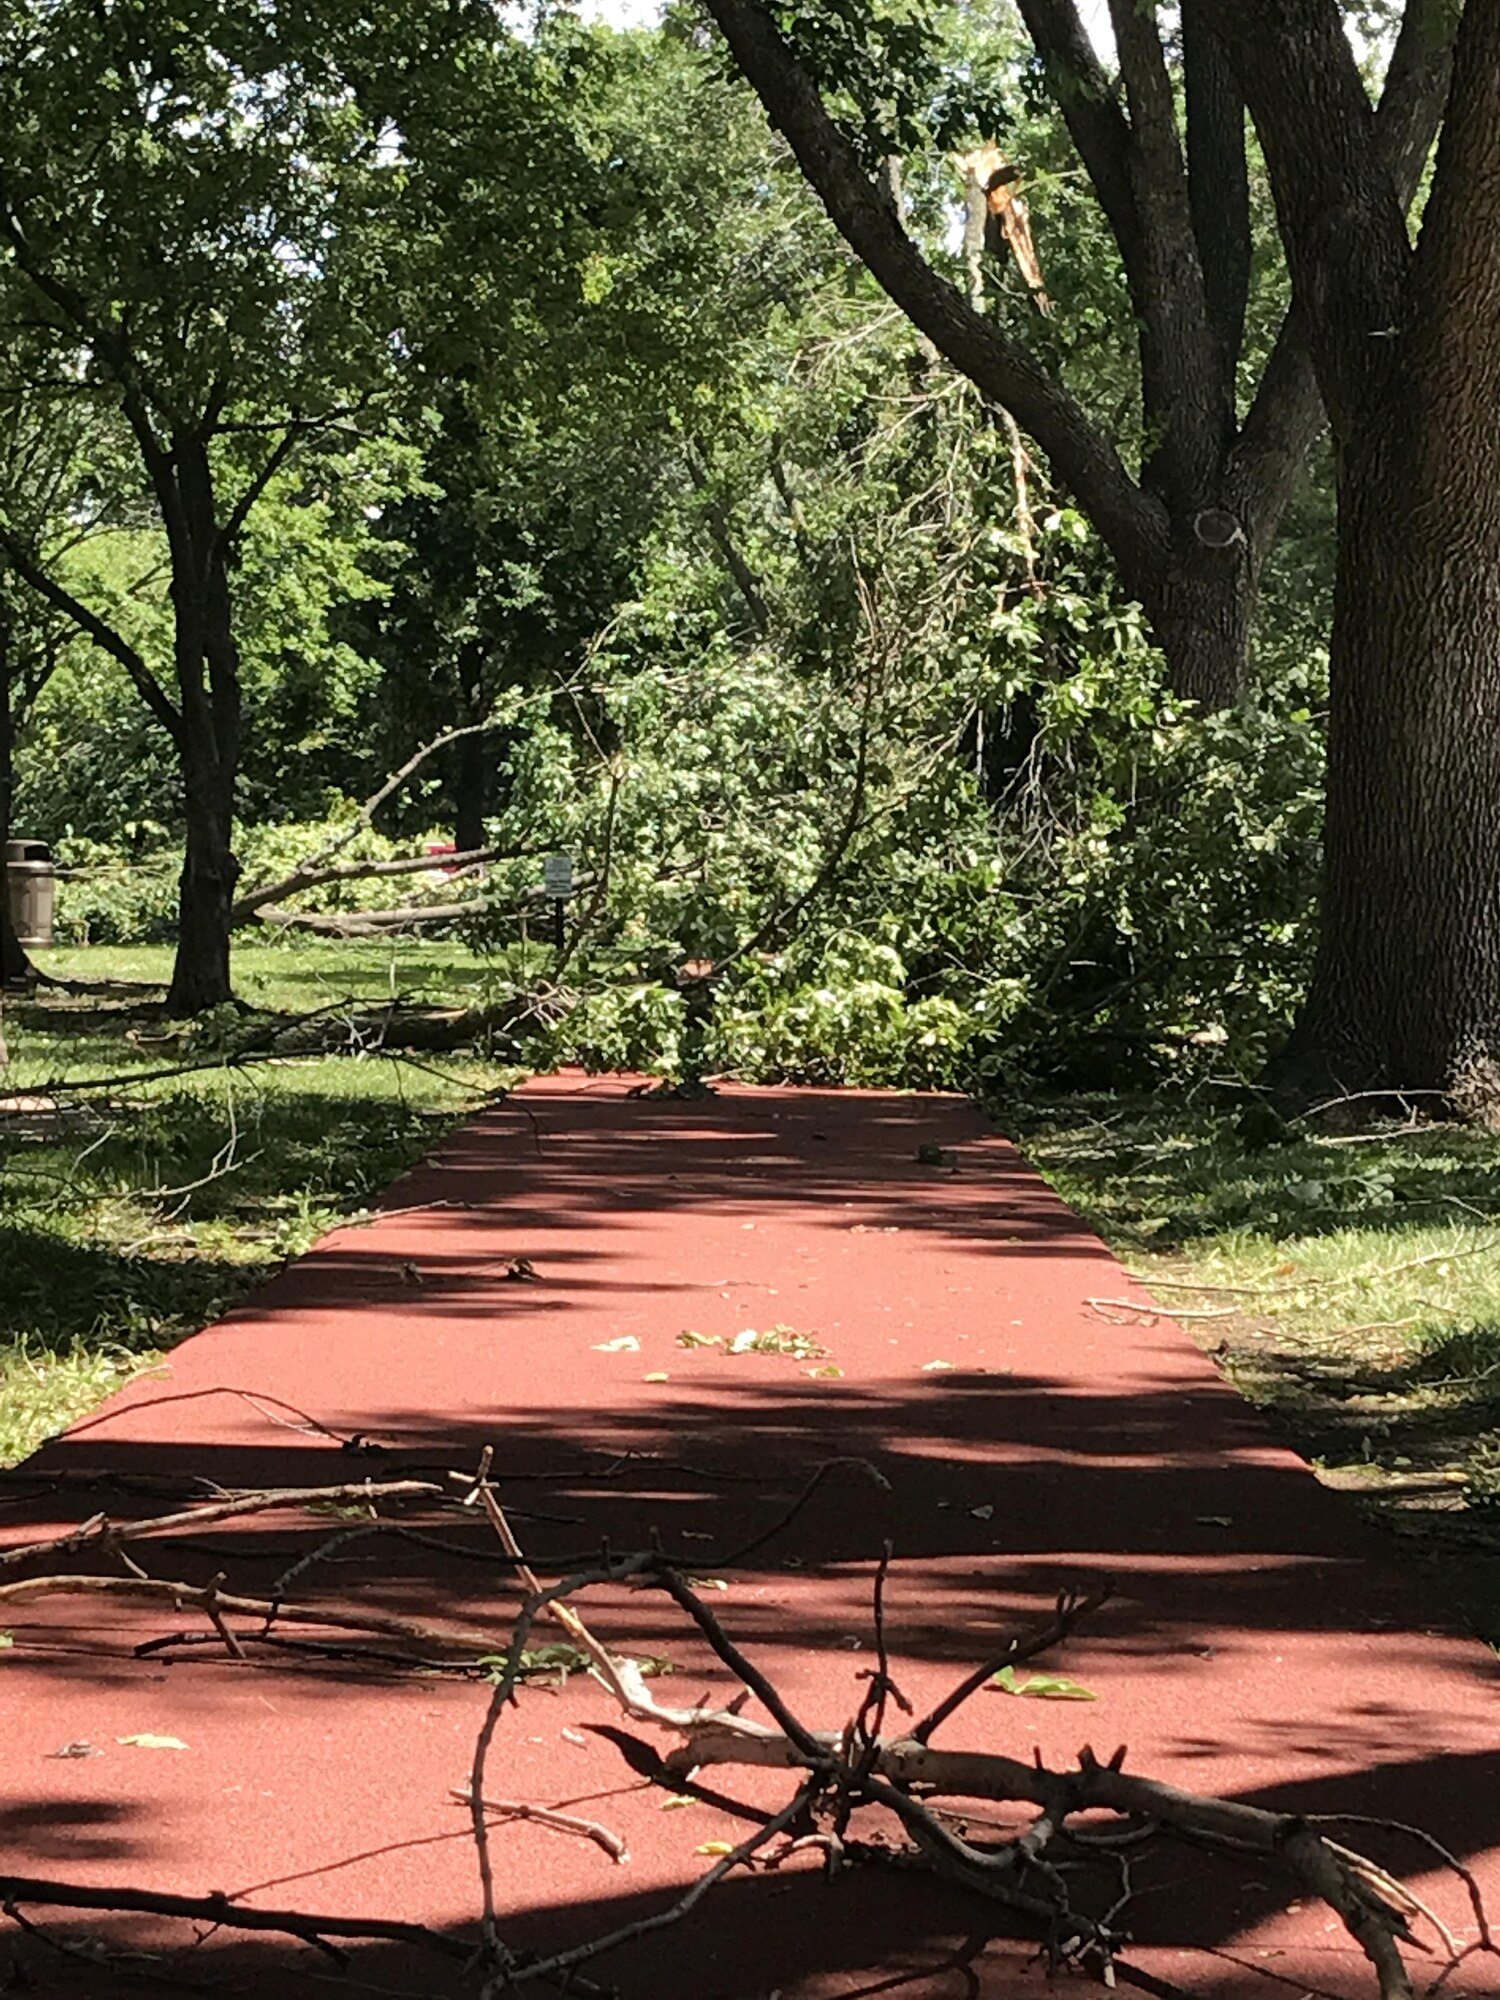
<point>1042,1687</point>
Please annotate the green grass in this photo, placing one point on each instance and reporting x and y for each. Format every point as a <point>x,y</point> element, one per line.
<point>1349,1284</point>
<point>131,1216</point>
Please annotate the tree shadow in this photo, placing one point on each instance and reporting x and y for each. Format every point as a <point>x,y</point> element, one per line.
<point>1166,1174</point>
<point>1251,1635</point>
<point>1204,1926</point>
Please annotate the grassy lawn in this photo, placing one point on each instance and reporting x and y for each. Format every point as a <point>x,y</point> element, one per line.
<point>1350,1285</point>
<point>131,1216</point>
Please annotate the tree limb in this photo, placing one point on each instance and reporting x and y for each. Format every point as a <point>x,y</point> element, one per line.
<point>1181,376</point>
<point>1286,413</point>
<point>309,877</point>
<point>366,814</point>
<point>1095,122</point>
<point>1337,202</point>
<point>100,1532</point>
<point>219,1910</point>
<point>1416,90</point>
<point>1218,190</point>
<point>103,634</point>
<point>1001,366</point>
<point>206,1597</point>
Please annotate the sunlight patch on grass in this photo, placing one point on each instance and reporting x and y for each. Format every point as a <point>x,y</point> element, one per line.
<point>1351,1289</point>
<point>133,1216</point>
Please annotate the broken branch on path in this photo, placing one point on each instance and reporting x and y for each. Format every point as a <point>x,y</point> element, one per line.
<point>102,1533</point>
<point>451,864</point>
<point>560,1822</point>
<point>839,1771</point>
<point>848,1768</point>
<point>36,1892</point>
<point>208,1598</point>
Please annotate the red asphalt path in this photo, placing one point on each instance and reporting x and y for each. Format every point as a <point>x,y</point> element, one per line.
<point>1257,1646</point>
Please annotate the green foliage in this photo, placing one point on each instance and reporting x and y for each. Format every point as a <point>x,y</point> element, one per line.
<point>770,641</point>
<point>106,897</point>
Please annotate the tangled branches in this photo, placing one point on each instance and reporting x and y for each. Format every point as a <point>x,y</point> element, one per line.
<point>873,1790</point>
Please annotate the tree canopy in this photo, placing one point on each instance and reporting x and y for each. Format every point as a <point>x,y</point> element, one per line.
<point>869,483</point>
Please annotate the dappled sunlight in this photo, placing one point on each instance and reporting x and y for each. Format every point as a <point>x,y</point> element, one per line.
<point>526,1291</point>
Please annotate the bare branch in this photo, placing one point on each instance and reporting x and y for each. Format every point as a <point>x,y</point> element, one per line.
<point>101,1533</point>
<point>36,1891</point>
<point>1072,1608</point>
<point>307,876</point>
<point>155,1590</point>
<point>366,815</point>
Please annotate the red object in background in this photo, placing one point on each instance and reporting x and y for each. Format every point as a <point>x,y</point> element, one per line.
<point>442,847</point>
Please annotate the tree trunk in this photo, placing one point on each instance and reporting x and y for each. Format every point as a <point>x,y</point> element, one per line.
<point>200,972</point>
<point>1200,609</point>
<point>208,732</point>
<point>471,757</point>
<point>16,969</point>
<point>1405,993</point>
<point>1406,990</point>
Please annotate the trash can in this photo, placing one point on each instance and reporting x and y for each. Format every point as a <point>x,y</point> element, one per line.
<point>31,890</point>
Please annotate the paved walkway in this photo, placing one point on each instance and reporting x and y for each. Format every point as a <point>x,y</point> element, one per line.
<point>1256,1645</point>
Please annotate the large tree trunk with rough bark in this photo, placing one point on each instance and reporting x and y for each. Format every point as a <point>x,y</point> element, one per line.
<point>1405,994</point>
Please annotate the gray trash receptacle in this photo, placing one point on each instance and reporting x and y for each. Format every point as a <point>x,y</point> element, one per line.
<point>31,890</point>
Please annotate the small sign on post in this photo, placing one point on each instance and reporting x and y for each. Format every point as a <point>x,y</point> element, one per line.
<point>557,880</point>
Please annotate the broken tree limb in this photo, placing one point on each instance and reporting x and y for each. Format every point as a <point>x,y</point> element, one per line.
<point>847,1769</point>
<point>376,923</point>
<point>368,923</point>
<point>548,1816</point>
<point>207,1598</point>
<point>309,876</point>
<point>102,1533</point>
<point>37,1892</point>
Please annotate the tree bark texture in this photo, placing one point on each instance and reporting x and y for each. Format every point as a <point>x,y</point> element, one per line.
<point>1406,989</point>
<point>208,729</point>
<point>16,968</point>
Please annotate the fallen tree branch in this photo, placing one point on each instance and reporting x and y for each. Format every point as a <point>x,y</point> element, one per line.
<point>375,923</point>
<point>205,1597</point>
<point>40,1893</point>
<point>311,876</point>
<point>101,1533</point>
<point>837,1770</point>
<point>368,923</point>
<point>365,817</point>
<point>560,1822</point>
<point>845,1765</point>
<point>566,1962</point>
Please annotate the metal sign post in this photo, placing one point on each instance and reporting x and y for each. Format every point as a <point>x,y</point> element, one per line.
<point>557,880</point>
